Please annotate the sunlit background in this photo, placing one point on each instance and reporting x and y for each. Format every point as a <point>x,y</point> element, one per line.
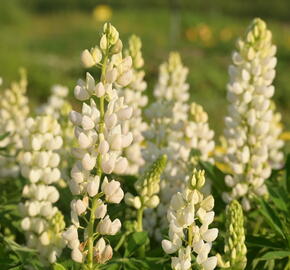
<point>47,36</point>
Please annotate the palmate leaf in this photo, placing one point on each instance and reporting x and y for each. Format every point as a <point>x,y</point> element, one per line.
<point>135,241</point>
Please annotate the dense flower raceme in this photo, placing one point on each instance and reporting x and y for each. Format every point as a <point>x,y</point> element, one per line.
<point>13,112</point>
<point>175,129</point>
<point>276,156</point>
<point>134,97</point>
<point>42,222</point>
<point>101,141</point>
<point>235,248</point>
<point>148,186</point>
<point>250,116</point>
<point>189,215</point>
<point>59,108</point>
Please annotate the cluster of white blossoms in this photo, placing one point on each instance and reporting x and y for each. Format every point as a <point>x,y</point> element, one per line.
<point>276,155</point>
<point>249,131</point>
<point>133,95</point>
<point>172,86</point>
<point>101,141</point>
<point>42,222</point>
<point>175,130</point>
<point>58,107</point>
<point>198,135</point>
<point>56,101</point>
<point>189,215</point>
<point>13,112</point>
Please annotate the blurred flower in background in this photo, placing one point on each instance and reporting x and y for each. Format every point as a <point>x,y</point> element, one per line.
<point>226,34</point>
<point>102,13</point>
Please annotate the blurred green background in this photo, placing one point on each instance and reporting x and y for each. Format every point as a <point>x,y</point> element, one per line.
<point>47,36</point>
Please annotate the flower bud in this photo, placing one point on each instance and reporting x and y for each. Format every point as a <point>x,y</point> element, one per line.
<point>100,90</point>
<point>87,59</point>
<point>96,54</point>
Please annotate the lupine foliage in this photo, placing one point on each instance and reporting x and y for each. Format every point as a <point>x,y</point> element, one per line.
<point>187,203</point>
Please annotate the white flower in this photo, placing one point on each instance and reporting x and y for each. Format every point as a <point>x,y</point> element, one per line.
<point>71,233</point>
<point>107,227</point>
<point>112,190</point>
<point>183,261</point>
<point>93,186</point>
<point>76,255</point>
<point>101,211</point>
<point>102,252</point>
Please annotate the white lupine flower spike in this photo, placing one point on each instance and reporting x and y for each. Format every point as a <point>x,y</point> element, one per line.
<point>59,108</point>
<point>250,125</point>
<point>189,215</point>
<point>175,130</point>
<point>14,111</point>
<point>134,97</point>
<point>42,222</point>
<point>103,136</point>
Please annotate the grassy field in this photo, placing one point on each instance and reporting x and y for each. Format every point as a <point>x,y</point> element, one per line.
<point>48,46</point>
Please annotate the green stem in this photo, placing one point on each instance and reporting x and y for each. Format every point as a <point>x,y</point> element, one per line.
<point>190,236</point>
<point>90,261</point>
<point>141,250</point>
<point>140,219</point>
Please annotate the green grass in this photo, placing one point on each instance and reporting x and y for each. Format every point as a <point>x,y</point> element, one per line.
<point>49,45</point>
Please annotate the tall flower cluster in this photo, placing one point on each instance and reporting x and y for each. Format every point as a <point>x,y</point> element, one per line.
<point>189,215</point>
<point>59,108</point>
<point>101,141</point>
<point>198,135</point>
<point>147,188</point>
<point>175,129</point>
<point>172,86</point>
<point>276,156</point>
<point>13,112</point>
<point>133,95</point>
<point>56,101</point>
<point>248,124</point>
<point>235,248</point>
<point>42,222</point>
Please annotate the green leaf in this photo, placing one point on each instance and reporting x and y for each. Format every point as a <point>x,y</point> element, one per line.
<point>278,199</point>
<point>275,255</point>
<point>58,266</point>
<point>287,167</point>
<point>3,136</point>
<point>257,241</point>
<point>135,241</point>
<point>271,217</point>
